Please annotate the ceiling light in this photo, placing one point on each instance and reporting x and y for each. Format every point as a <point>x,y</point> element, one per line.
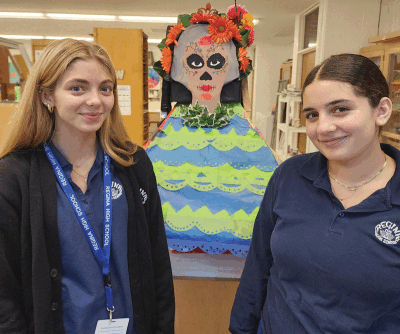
<point>16,15</point>
<point>80,38</point>
<point>150,19</point>
<point>154,40</point>
<point>89,39</point>
<point>81,17</point>
<point>21,37</point>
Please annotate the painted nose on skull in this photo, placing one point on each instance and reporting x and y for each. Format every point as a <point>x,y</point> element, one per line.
<point>206,76</point>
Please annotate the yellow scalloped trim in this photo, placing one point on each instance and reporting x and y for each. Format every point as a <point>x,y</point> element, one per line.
<point>200,139</point>
<point>205,178</point>
<point>240,224</point>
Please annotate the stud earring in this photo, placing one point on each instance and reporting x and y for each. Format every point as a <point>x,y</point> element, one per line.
<point>49,107</point>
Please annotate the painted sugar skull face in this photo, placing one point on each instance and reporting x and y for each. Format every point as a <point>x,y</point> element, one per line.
<point>205,64</point>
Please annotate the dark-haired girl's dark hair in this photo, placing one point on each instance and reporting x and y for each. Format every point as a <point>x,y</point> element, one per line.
<point>359,71</point>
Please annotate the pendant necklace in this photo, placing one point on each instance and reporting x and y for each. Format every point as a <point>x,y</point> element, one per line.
<point>82,176</point>
<point>358,185</point>
<point>342,199</point>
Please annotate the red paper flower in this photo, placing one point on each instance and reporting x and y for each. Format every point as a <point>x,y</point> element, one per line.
<point>173,33</point>
<point>251,38</point>
<point>235,12</point>
<point>222,30</point>
<point>166,59</point>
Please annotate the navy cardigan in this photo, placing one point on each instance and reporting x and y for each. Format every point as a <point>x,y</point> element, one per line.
<point>30,258</point>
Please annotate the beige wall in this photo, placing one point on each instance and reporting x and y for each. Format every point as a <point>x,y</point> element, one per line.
<point>390,17</point>
<point>348,25</point>
<point>268,60</point>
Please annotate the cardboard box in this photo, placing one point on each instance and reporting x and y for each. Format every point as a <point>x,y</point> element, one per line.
<point>154,117</point>
<point>153,127</point>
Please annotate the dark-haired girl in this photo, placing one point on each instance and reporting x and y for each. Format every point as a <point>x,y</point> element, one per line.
<point>325,252</point>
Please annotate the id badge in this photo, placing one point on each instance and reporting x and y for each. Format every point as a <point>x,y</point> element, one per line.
<point>116,326</point>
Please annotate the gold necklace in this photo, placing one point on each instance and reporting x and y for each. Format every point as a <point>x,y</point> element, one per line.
<point>82,176</point>
<point>358,185</point>
<point>342,199</point>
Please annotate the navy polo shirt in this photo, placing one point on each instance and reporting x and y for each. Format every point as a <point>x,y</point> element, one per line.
<point>315,267</point>
<point>83,293</point>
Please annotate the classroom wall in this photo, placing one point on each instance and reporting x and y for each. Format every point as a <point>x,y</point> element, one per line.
<point>389,17</point>
<point>268,60</point>
<point>348,25</point>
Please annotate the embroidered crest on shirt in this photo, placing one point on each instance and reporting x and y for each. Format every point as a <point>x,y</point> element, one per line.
<point>388,233</point>
<point>144,195</point>
<point>116,190</point>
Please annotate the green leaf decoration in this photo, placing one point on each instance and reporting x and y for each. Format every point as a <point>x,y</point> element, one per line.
<point>184,19</point>
<point>162,44</point>
<point>159,69</point>
<point>198,116</point>
<point>245,33</point>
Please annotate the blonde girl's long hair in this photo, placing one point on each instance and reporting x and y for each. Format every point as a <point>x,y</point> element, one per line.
<point>34,124</point>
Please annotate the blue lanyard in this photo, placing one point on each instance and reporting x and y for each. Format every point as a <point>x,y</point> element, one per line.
<point>102,255</point>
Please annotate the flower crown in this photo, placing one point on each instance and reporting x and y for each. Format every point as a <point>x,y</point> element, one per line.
<point>237,25</point>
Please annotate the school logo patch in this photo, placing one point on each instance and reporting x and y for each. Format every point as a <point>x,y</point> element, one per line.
<point>387,232</point>
<point>144,195</point>
<point>116,190</point>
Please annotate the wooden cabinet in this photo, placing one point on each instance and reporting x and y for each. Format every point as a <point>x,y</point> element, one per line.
<point>7,110</point>
<point>38,46</point>
<point>286,71</point>
<point>386,54</point>
<point>203,305</point>
<point>128,50</point>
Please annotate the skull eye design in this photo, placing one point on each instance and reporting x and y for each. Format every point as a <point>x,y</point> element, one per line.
<point>216,61</point>
<point>195,61</point>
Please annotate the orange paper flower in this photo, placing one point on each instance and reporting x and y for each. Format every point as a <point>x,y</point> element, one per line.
<point>173,33</point>
<point>244,64</point>
<point>242,53</point>
<point>196,18</point>
<point>244,61</point>
<point>166,59</point>
<point>222,30</point>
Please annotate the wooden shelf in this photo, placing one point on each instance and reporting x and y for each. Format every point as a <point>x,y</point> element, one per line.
<point>128,50</point>
<point>389,37</point>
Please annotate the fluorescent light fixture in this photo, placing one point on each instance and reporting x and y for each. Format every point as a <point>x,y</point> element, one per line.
<point>80,38</point>
<point>21,37</point>
<point>150,19</point>
<point>81,17</point>
<point>16,15</point>
<point>154,40</point>
<point>85,17</point>
<point>89,39</point>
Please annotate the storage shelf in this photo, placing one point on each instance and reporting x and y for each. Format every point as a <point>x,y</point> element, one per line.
<point>284,127</point>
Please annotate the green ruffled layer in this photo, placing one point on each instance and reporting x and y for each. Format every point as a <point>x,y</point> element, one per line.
<point>236,108</point>
<point>200,139</point>
<point>240,224</point>
<point>204,178</point>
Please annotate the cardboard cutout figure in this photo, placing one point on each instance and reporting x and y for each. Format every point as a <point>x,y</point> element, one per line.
<point>204,66</point>
<point>211,164</point>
